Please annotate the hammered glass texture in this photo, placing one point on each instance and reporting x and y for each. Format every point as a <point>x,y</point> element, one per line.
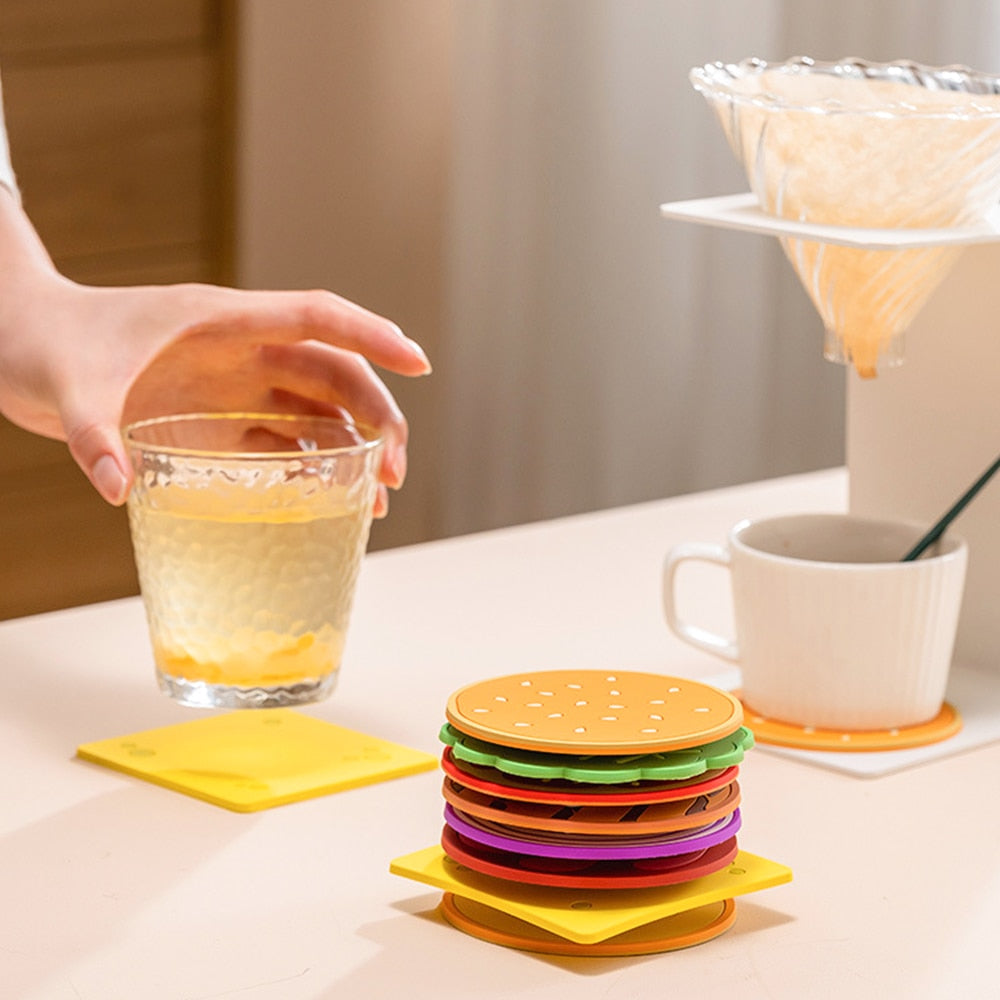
<point>875,145</point>
<point>247,566</point>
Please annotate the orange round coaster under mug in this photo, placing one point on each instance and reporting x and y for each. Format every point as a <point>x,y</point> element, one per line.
<point>594,712</point>
<point>682,930</point>
<point>788,734</point>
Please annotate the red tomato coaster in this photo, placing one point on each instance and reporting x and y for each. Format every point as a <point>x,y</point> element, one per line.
<point>599,818</point>
<point>582,874</point>
<point>682,930</point>
<point>492,781</point>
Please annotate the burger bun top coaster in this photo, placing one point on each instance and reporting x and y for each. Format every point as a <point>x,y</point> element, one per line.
<point>587,712</point>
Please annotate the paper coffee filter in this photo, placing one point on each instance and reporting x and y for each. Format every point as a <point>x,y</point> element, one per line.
<point>869,145</point>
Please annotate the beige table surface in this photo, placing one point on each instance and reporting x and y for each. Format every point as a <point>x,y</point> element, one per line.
<point>114,888</point>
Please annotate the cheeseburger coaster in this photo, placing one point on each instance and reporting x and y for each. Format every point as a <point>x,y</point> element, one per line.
<point>592,813</point>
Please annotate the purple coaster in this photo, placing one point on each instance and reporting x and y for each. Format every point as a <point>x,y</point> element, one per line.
<point>595,848</point>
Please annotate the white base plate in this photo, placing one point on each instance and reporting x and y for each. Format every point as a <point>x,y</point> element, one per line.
<point>974,693</point>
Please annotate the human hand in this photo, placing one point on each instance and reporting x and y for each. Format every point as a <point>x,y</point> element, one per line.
<point>76,362</point>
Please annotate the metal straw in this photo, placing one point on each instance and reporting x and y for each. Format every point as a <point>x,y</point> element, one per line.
<point>960,504</point>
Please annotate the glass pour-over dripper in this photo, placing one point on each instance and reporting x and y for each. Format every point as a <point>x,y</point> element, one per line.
<point>852,143</point>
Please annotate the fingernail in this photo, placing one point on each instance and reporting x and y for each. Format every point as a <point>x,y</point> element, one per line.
<point>415,348</point>
<point>423,356</point>
<point>109,479</point>
<point>397,466</point>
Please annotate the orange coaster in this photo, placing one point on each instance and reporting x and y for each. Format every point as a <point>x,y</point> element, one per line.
<point>600,819</point>
<point>594,712</point>
<point>682,930</point>
<point>786,734</point>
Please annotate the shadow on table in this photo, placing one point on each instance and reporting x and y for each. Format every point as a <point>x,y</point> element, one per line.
<point>469,967</point>
<point>74,880</point>
<point>77,682</point>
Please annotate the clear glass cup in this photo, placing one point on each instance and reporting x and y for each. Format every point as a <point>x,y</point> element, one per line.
<point>248,532</point>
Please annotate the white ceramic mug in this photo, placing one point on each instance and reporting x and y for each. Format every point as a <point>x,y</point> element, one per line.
<point>832,629</point>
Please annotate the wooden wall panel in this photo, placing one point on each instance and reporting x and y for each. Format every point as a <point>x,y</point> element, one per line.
<point>117,112</point>
<point>45,28</point>
<point>62,545</point>
<point>121,153</point>
<point>108,197</point>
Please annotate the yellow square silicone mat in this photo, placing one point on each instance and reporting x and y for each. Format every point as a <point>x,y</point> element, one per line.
<point>590,916</point>
<point>252,760</point>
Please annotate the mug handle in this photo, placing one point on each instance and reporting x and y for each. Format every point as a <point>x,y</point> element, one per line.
<point>718,645</point>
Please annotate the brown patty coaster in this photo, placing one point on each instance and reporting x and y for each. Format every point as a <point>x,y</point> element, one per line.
<point>594,712</point>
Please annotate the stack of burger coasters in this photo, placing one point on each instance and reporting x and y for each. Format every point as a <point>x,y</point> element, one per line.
<point>592,813</point>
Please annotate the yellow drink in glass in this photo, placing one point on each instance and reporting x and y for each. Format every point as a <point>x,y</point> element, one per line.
<point>248,559</point>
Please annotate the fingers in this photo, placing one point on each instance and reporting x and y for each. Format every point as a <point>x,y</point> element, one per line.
<point>381,502</point>
<point>100,453</point>
<point>288,317</point>
<point>109,479</point>
<point>214,348</point>
<point>312,373</point>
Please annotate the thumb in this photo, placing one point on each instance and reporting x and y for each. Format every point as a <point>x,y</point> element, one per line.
<point>99,451</point>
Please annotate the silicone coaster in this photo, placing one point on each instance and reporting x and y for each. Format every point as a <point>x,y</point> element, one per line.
<point>251,760</point>
<point>671,765</point>
<point>594,712</point>
<point>554,845</point>
<point>586,874</point>
<point>947,723</point>
<point>589,916</point>
<point>669,934</point>
<point>599,818</point>
<point>490,781</point>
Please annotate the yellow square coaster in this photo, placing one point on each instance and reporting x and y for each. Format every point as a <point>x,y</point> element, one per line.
<point>250,760</point>
<point>595,915</point>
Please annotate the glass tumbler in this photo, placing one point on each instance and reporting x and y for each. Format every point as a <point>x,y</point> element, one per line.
<point>248,532</point>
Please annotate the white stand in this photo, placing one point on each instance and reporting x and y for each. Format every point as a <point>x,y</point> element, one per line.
<point>919,434</point>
